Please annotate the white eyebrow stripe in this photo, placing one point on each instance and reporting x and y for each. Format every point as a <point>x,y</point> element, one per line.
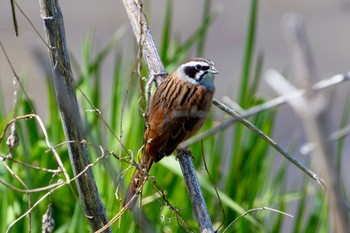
<point>194,63</point>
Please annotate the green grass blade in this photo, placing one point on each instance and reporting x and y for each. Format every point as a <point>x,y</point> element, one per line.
<point>182,51</point>
<point>248,54</point>
<point>342,124</point>
<point>203,33</point>
<point>166,31</point>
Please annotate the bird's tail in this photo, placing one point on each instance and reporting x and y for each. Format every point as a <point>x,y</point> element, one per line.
<point>136,181</point>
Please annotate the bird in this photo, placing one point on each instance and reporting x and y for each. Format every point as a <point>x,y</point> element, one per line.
<point>178,109</point>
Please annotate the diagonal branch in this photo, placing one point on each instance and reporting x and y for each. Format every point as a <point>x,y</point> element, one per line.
<point>270,141</point>
<point>149,50</point>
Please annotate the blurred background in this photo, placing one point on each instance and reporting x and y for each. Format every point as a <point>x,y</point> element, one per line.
<point>327,26</point>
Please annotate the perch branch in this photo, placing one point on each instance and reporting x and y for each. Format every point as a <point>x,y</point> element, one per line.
<point>156,68</point>
<point>321,85</point>
<point>149,49</point>
<point>270,141</point>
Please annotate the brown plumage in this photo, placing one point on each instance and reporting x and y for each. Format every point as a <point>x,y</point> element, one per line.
<point>178,109</point>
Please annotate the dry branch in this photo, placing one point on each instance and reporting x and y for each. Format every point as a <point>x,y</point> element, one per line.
<point>321,85</point>
<point>312,110</point>
<point>156,68</point>
<point>63,84</point>
<point>252,127</point>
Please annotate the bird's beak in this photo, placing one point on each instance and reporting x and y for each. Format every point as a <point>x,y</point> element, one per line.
<point>213,70</point>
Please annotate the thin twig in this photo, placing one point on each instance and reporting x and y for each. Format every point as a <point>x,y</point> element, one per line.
<point>52,188</point>
<point>122,210</point>
<point>321,85</point>
<point>26,187</point>
<point>30,165</point>
<point>253,210</point>
<point>35,190</point>
<point>339,134</point>
<point>14,18</point>
<point>335,136</point>
<point>334,80</point>
<point>16,76</point>
<point>215,189</point>
<point>57,157</point>
<point>31,24</point>
<point>43,129</point>
<point>270,141</point>
<point>245,114</point>
<point>33,206</point>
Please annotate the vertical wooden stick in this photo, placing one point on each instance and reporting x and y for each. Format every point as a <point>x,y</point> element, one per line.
<point>63,83</point>
<point>155,67</point>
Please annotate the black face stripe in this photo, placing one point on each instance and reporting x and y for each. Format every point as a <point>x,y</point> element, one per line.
<point>200,67</point>
<point>197,68</point>
<point>190,71</point>
<point>205,68</point>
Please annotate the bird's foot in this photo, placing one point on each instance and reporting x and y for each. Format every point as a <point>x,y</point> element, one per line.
<point>184,151</point>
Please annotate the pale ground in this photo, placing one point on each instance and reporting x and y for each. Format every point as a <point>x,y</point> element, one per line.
<point>327,24</point>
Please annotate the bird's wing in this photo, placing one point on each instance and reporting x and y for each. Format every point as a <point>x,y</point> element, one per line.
<point>176,113</point>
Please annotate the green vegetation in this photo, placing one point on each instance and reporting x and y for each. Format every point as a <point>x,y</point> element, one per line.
<point>254,178</point>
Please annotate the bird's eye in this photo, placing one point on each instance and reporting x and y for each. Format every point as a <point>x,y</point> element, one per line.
<point>198,67</point>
